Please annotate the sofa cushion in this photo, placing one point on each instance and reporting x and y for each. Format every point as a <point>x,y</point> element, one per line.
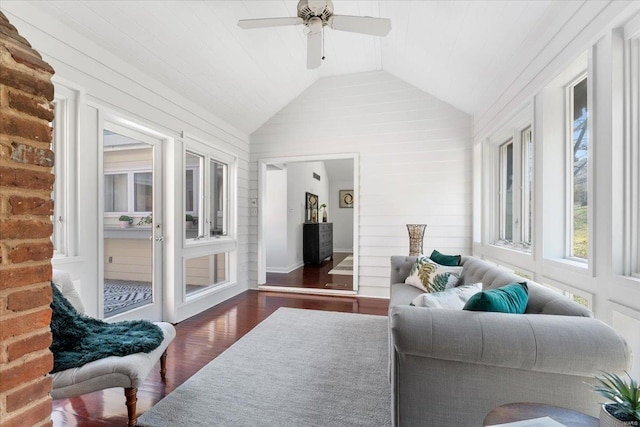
<point>511,298</point>
<point>429,276</point>
<point>448,260</point>
<point>453,299</point>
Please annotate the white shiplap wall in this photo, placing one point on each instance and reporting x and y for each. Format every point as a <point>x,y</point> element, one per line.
<point>415,162</point>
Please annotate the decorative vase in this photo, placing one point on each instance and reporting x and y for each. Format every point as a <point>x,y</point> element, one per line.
<point>416,233</point>
<point>608,420</point>
<point>324,215</point>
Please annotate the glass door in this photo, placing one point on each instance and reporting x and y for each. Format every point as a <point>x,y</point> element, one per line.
<point>132,237</point>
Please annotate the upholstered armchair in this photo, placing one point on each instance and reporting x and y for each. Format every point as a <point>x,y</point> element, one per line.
<point>128,372</point>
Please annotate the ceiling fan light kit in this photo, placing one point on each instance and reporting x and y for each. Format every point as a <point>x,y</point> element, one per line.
<point>317,14</point>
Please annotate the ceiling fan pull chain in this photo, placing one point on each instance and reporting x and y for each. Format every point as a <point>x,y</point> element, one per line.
<point>322,43</point>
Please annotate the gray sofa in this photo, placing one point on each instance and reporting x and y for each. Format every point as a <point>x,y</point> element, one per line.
<point>451,367</point>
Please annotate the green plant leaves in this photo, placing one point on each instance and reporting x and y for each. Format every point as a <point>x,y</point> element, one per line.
<point>625,395</point>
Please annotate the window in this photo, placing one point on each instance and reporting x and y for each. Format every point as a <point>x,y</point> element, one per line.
<point>582,298</point>
<point>527,185</point>
<point>60,147</point>
<point>204,272</point>
<point>194,227</point>
<point>629,175</point>
<point>515,190</point>
<point>128,192</point>
<point>218,198</point>
<point>115,192</point>
<point>578,170</point>
<point>506,191</point>
<point>206,195</point>
<point>65,192</point>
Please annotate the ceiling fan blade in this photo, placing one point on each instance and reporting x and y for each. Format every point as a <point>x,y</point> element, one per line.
<point>361,24</point>
<point>314,50</point>
<point>248,24</point>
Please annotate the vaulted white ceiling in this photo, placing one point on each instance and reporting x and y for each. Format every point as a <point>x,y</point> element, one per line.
<point>464,52</point>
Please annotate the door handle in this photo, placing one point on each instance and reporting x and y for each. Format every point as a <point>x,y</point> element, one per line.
<point>159,238</point>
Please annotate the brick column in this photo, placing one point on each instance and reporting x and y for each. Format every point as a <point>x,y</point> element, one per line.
<point>26,182</point>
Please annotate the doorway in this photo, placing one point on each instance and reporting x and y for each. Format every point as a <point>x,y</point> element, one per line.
<point>286,219</point>
<point>132,231</point>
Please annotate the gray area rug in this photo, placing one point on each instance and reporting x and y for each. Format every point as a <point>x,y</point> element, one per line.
<point>296,368</point>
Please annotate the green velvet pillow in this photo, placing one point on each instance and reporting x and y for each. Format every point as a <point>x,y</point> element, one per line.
<point>448,260</point>
<point>511,298</point>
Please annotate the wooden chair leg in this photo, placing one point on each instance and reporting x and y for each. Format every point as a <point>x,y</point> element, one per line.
<point>131,395</point>
<point>163,365</point>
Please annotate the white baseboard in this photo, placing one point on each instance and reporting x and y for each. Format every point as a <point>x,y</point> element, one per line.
<point>310,291</point>
<point>284,270</point>
<point>343,251</point>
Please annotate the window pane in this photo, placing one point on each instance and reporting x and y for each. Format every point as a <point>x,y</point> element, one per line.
<point>204,272</point>
<point>189,190</point>
<point>506,186</point>
<point>143,191</point>
<point>218,211</point>
<point>115,192</point>
<point>193,173</point>
<point>580,149</point>
<point>527,181</point>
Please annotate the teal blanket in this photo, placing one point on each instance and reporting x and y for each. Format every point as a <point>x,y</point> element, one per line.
<point>80,339</point>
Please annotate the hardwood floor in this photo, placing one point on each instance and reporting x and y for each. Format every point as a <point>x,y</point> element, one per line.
<point>314,276</point>
<point>198,341</point>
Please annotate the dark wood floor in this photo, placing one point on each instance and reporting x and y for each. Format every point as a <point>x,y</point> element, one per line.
<point>314,276</point>
<point>199,340</point>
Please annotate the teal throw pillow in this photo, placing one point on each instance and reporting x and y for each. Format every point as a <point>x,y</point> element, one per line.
<point>511,298</point>
<point>448,260</point>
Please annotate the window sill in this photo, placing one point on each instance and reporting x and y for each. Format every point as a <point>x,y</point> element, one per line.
<point>208,291</point>
<point>574,262</point>
<point>511,247</point>
<point>228,243</point>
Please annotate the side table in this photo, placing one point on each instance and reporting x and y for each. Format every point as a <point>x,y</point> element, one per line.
<point>512,412</point>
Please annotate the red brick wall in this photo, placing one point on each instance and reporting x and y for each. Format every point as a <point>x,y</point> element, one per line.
<point>26,182</point>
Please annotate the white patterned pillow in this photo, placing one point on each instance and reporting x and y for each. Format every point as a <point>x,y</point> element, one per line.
<point>453,299</point>
<point>428,276</point>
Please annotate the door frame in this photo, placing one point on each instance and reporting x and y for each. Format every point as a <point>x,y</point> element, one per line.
<point>262,177</point>
<point>116,123</point>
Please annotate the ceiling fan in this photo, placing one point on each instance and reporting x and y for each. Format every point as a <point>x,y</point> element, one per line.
<point>315,15</point>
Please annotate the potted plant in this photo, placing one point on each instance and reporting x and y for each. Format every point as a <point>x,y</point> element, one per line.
<point>125,221</point>
<point>188,221</point>
<point>144,220</point>
<point>624,411</point>
<point>324,212</point>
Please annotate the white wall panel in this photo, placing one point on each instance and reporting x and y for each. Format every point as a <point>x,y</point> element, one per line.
<point>415,162</point>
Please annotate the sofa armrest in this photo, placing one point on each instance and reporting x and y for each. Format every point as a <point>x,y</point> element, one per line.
<point>537,342</point>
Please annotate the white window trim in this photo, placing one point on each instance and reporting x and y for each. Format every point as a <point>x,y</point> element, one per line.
<point>631,157</point>
<point>199,147</point>
<point>510,134</point>
<point>526,187</point>
<point>569,171</point>
<point>502,192</point>
<point>65,147</point>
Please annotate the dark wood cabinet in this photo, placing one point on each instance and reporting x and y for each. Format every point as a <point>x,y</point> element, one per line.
<point>317,242</point>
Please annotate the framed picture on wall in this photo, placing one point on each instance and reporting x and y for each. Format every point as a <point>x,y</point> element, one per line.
<point>311,207</point>
<point>346,198</point>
